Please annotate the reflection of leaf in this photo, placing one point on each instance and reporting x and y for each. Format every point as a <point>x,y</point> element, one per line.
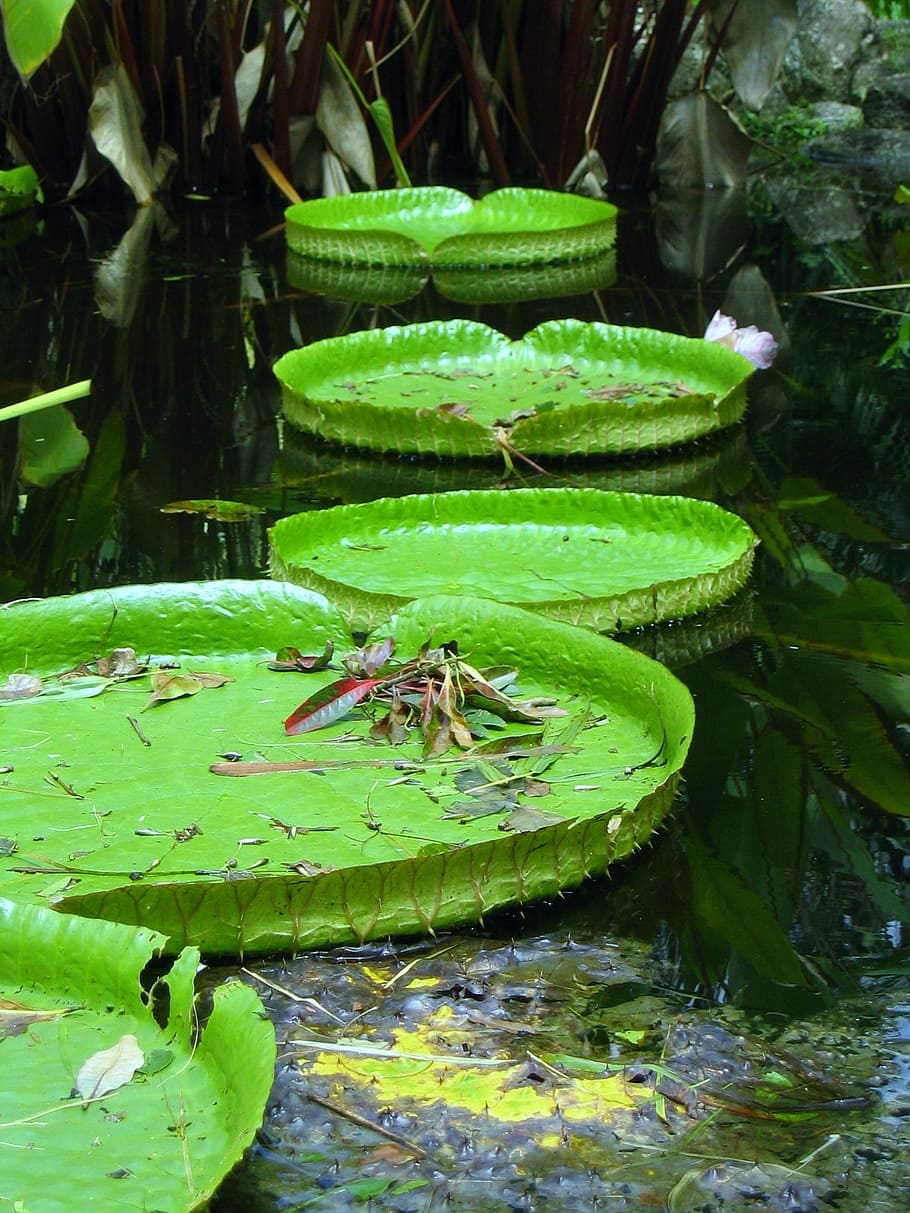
<point>725,903</point>
<point>109,1069</point>
<point>819,505</point>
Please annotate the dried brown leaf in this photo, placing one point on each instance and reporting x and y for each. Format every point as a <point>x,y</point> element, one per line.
<point>109,1069</point>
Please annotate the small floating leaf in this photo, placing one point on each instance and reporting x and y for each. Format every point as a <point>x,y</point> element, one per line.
<point>217,511</point>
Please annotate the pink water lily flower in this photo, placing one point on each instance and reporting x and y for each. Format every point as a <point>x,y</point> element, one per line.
<point>758,346</point>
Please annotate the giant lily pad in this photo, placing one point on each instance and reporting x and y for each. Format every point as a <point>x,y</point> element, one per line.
<point>435,226</point>
<point>112,811</point>
<point>171,1113</point>
<point>459,388</point>
<point>606,560</point>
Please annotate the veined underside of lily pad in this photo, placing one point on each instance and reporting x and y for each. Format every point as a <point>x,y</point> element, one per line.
<point>372,840</point>
<point>606,560</point>
<point>458,388</point>
<point>432,227</point>
<point>389,284</point>
<point>344,476</point>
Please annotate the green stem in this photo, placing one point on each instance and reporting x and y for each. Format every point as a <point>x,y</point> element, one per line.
<point>61,395</point>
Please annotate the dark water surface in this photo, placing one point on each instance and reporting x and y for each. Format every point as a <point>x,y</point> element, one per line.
<point>764,931</point>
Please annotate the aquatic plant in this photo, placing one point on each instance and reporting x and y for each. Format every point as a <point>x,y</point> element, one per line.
<point>451,87</point>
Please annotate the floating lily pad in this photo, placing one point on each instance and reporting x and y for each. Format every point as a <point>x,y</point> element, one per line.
<point>608,561</point>
<point>113,812</point>
<point>173,1113</point>
<point>459,388</point>
<point>434,226</point>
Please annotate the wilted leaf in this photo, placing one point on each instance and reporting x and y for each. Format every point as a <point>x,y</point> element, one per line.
<point>122,663</point>
<point>755,43</point>
<point>208,680</point>
<point>339,118</point>
<point>109,1069</point>
<point>21,686</point>
<point>364,663</point>
<point>115,120</point>
<point>167,685</point>
<point>16,1018</point>
<point>701,145</point>
<point>171,686</point>
<point>289,658</point>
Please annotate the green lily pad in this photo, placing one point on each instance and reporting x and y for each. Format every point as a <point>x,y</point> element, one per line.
<point>458,388</point>
<point>112,811</point>
<point>163,1135</point>
<point>435,226</point>
<point>608,561</point>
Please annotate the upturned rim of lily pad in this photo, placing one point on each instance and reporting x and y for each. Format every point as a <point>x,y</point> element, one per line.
<point>429,227</point>
<point>461,389</point>
<point>610,561</point>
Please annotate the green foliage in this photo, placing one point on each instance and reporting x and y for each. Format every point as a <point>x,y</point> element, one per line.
<point>32,30</point>
<point>786,131</point>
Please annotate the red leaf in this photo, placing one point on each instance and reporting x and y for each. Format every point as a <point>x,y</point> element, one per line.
<point>329,704</point>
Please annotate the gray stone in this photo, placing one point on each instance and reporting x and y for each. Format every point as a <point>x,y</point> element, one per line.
<point>818,215</point>
<point>878,158</point>
<point>836,116</point>
<point>833,36</point>
<point>887,103</point>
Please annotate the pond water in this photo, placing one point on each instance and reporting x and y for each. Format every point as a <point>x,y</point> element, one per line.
<point>762,936</point>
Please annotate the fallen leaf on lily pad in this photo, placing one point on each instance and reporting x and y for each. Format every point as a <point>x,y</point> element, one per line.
<point>109,1069</point>
<point>167,685</point>
<point>289,658</point>
<point>21,686</point>
<point>217,511</point>
<point>16,1018</point>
